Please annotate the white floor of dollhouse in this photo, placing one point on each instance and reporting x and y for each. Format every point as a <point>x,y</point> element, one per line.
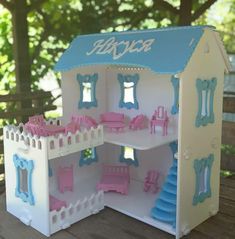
<point>136,204</point>
<point>139,139</point>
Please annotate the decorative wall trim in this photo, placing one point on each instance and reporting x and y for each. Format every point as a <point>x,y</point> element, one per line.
<point>205,90</point>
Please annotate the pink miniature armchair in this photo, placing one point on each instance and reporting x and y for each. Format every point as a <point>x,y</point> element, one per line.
<point>161,119</point>
<point>73,125</point>
<point>137,122</point>
<point>88,122</point>
<point>35,125</point>
<point>151,181</point>
<point>65,179</point>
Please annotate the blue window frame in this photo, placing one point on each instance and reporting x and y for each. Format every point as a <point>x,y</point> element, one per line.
<point>87,85</point>
<point>202,169</point>
<point>128,156</point>
<point>128,85</point>
<point>205,90</point>
<point>175,107</point>
<point>24,170</point>
<point>88,156</point>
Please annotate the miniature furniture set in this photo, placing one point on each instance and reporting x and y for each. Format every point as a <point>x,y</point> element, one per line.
<point>61,171</point>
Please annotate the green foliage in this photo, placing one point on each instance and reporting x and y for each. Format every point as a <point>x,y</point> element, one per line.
<point>53,24</point>
<point>228,149</point>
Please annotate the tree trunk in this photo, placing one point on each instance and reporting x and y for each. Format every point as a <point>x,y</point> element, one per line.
<point>21,49</point>
<point>185,14</point>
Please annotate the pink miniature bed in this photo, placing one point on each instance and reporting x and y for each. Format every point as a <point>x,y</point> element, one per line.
<point>114,178</point>
<point>113,120</point>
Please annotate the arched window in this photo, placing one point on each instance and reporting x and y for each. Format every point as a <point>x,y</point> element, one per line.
<point>87,85</point>
<point>128,156</point>
<point>88,156</point>
<point>128,85</point>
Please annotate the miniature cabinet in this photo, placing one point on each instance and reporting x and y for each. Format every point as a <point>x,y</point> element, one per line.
<point>129,74</point>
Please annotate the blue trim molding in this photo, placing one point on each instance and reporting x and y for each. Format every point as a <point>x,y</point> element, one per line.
<point>202,169</point>
<point>92,79</point>
<point>205,90</point>
<point>88,156</point>
<point>128,161</point>
<point>174,148</point>
<point>128,79</point>
<point>28,165</point>
<point>175,107</point>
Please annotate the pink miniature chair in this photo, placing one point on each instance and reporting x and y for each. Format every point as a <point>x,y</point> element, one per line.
<point>65,179</point>
<point>88,122</point>
<point>34,124</point>
<point>114,178</point>
<point>151,181</point>
<point>137,122</point>
<point>73,125</point>
<point>161,119</point>
<point>56,204</point>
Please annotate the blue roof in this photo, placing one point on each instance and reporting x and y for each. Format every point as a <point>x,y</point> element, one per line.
<point>164,50</point>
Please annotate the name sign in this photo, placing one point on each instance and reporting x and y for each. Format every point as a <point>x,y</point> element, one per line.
<point>119,48</point>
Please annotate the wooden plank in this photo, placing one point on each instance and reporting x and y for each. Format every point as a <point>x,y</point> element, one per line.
<point>24,96</point>
<point>219,227</point>
<point>229,104</point>
<point>227,162</point>
<point>228,132</point>
<point>26,112</point>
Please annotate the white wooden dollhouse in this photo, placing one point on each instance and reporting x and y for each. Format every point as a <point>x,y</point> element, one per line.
<point>119,79</point>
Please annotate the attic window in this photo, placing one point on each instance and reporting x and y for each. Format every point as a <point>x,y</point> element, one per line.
<point>202,169</point>
<point>87,85</point>
<point>128,85</point>
<point>128,156</point>
<point>205,90</point>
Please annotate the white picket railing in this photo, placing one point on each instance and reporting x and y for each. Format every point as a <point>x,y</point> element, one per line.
<point>75,212</point>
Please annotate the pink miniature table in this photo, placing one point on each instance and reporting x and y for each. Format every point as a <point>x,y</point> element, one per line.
<point>54,129</point>
<point>117,126</point>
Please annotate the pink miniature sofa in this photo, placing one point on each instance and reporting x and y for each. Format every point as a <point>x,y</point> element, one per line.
<point>88,122</point>
<point>137,122</point>
<point>113,120</point>
<point>114,178</point>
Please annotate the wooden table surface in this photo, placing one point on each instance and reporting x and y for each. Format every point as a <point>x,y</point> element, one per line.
<point>109,224</point>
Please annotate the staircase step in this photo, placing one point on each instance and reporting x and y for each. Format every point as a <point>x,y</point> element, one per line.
<point>167,197</point>
<point>165,206</point>
<point>173,171</point>
<point>172,179</point>
<point>170,188</point>
<point>163,216</point>
<point>175,162</point>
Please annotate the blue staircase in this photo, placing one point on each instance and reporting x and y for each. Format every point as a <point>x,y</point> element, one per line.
<point>165,205</point>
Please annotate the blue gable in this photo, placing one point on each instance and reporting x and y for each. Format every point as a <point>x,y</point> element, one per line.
<point>165,50</point>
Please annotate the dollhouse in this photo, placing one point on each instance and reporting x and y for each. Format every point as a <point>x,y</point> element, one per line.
<point>140,133</point>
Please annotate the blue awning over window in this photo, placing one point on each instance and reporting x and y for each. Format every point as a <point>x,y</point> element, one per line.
<point>165,51</point>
